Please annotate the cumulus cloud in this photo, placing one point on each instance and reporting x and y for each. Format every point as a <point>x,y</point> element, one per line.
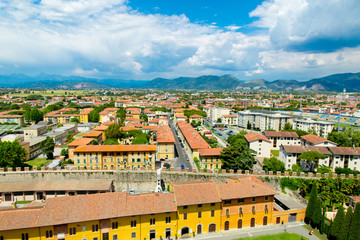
<point>308,25</point>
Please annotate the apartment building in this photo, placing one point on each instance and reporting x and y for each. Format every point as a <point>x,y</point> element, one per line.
<point>34,131</point>
<point>275,121</point>
<point>282,138</point>
<point>345,157</point>
<point>115,156</point>
<point>259,143</point>
<point>189,209</point>
<point>218,112</point>
<point>246,117</point>
<point>230,119</point>
<point>77,143</point>
<point>313,140</point>
<point>84,115</point>
<point>321,128</point>
<point>166,142</point>
<point>209,158</point>
<point>7,117</point>
<point>196,118</point>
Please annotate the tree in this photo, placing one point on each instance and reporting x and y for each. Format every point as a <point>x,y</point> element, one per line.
<point>64,152</point>
<point>311,204</point>
<point>248,125</point>
<point>95,142</point>
<point>94,115</point>
<point>238,155</point>
<point>296,168</point>
<point>354,230</point>
<point>114,132</point>
<point>273,164</point>
<point>218,120</point>
<point>69,136</point>
<point>345,227</point>
<point>336,227</point>
<point>287,126</point>
<point>12,154</point>
<point>144,117</point>
<point>47,147</point>
<point>14,107</point>
<point>141,139</point>
<point>316,217</point>
<point>75,119</point>
<point>121,113</point>
<point>310,158</point>
<point>36,115</point>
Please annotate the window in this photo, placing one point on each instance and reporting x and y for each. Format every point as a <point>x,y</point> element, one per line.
<point>199,214</point>
<point>133,223</point>
<point>227,212</point>
<point>83,228</point>
<point>95,238</point>
<point>199,205</point>
<point>266,198</point>
<point>212,204</point>
<point>72,231</point>
<point>95,228</point>
<point>133,235</point>
<point>24,236</point>
<point>185,207</point>
<point>115,237</point>
<point>115,225</point>
<point>266,208</point>
<point>240,200</point>
<point>227,202</point>
<point>253,199</point>
<point>1,238</point>
<point>152,221</point>
<point>253,209</point>
<point>241,211</point>
<point>168,219</point>
<point>213,213</point>
<point>185,216</point>
<point>49,234</point>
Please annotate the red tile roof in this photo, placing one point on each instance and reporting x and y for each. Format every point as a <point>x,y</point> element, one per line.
<point>280,134</point>
<point>315,139</point>
<point>164,134</point>
<point>251,137</point>
<point>80,142</point>
<point>210,152</point>
<point>192,137</point>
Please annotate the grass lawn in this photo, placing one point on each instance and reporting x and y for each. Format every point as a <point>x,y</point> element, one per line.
<point>23,202</point>
<point>316,232</point>
<point>275,153</point>
<point>38,162</point>
<point>279,236</point>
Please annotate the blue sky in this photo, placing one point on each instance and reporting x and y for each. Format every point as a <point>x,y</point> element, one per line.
<point>145,39</point>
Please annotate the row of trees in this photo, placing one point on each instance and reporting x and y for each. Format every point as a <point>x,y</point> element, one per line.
<point>114,133</point>
<point>347,138</point>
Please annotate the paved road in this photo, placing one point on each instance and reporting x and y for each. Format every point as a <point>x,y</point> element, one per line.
<point>258,231</point>
<point>180,153</point>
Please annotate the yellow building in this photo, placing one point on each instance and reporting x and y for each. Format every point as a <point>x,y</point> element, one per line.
<point>115,156</point>
<point>166,142</point>
<point>210,158</point>
<point>107,111</point>
<point>62,116</point>
<point>84,115</point>
<point>191,208</point>
<point>196,118</point>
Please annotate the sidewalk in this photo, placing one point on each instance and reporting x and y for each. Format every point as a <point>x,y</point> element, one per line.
<point>295,227</point>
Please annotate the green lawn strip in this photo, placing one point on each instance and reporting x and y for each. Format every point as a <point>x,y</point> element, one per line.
<point>275,153</point>
<point>279,236</point>
<point>38,162</point>
<point>23,202</point>
<point>316,232</point>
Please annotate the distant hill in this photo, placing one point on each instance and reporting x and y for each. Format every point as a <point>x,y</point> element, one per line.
<point>336,82</point>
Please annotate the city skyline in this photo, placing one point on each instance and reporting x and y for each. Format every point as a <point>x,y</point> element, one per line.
<point>277,39</point>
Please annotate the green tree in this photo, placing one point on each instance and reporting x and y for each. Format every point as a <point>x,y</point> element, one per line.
<point>338,221</point>
<point>36,115</point>
<point>287,126</point>
<point>354,231</point>
<point>218,120</point>
<point>345,227</point>
<point>114,132</point>
<point>64,152</point>
<point>238,155</point>
<point>75,119</point>
<point>317,214</point>
<point>94,115</point>
<point>311,204</point>
<point>310,158</point>
<point>144,117</point>
<point>121,113</point>
<point>273,164</point>
<point>12,154</point>
<point>47,147</point>
<point>248,125</point>
<point>95,142</point>
<point>14,107</point>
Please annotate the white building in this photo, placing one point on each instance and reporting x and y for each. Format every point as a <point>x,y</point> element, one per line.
<point>275,121</point>
<point>217,112</point>
<point>230,119</point>
<point>345,157</point>
<point>259,143</point>
<point>247,116</point>
<point>282,138</point>
<point>321,128</point>
<point>313,140</point>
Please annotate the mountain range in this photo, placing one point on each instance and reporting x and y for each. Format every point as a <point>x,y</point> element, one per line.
<point>335,82</point>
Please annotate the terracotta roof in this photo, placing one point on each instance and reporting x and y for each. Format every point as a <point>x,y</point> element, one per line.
<point>301,149</point>
<point>101,128</point>
<point>191,193</point>
<point>315,139</point>
<point>180,115</point>
<point>196,116</point>
<point>192,137</point>
<point>280,134</point>
<point>93,134</point>
<point>80,142</point>
<point>244,188</point>
<point>350,151</point>
<point>230,116</point>
<point>251,137</point>
<point>210,151</point>
<point>18,218</point>
<point>356,199</point>
<point>165,135</point>
<point>116,148</point>
<point>66,185</point>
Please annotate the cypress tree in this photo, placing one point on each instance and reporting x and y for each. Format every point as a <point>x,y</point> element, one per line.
<point>354,231</point>
<point>336,227</point>
<point>311,204</point>
<point>316,217</point>
<point>345,227</point>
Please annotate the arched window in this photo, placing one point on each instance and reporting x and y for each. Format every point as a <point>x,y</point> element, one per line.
<point>227,212</point>
<point>241,211</point>
<point>227,225</point>
<point>252,223</point>
<point>265,221</point>
<point>240,223</point>
<point>253,209</point>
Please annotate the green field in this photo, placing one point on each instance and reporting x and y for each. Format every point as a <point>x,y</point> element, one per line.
<point>316,232</point>
<point>38,162</point>
<point>280,236</point>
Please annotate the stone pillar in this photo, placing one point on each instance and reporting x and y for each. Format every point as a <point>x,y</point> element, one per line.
<point>271,173</point>
<point>318,175</point>
<point>351,175</point>
<point>223,170</point>
<point>278,173</point>
<point>26,169</point>
<point>310,175</point>
<point>294,174</point>
<point>18,169</point>
<point>342,175</point>
<point>334,175</point>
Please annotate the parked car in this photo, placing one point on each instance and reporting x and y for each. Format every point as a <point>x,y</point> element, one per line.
<point>182,166</point>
